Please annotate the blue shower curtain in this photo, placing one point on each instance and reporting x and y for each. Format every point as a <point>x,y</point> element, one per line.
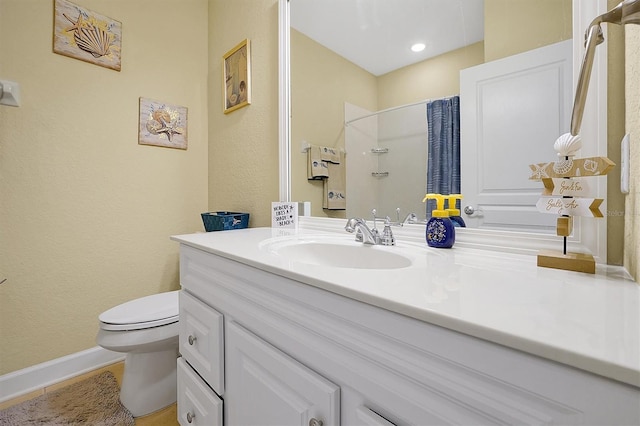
<point>443,164</point>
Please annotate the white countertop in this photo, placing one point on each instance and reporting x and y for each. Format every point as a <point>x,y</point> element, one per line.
<point>589,321</point>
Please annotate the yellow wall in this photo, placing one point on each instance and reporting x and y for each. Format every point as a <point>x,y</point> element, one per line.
<point>433,78</point>
<point>632,206</point>
<point>515,26</point>
<point>85,212</point>
<point>243,145</point>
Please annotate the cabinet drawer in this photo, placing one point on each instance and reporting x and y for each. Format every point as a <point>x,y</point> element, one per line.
<point>202,340</point>
<point>197,403</point>
<point>371,418</point>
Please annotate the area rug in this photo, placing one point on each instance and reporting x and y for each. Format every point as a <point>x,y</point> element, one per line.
<point>93,401</point>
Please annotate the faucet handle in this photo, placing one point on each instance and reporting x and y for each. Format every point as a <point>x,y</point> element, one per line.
<point>375,219</point>
<point>409,218</point>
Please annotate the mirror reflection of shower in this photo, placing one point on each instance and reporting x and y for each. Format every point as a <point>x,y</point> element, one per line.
<point>387,155</point>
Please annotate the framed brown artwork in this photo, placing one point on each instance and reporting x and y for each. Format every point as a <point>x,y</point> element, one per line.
<point>237,77</point>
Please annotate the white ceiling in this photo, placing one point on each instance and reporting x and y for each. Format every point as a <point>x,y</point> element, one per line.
<point>377,34</point>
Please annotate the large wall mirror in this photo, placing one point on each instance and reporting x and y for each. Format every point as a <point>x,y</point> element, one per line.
<point>343,77</point>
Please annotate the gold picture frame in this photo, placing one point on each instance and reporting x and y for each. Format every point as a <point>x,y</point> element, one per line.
<point>82,34</point>
<point>237,77</point>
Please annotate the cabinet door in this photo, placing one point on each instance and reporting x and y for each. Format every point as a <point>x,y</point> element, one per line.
<point>265,387</point>
<point>197,403</point>
<point>202,340</point>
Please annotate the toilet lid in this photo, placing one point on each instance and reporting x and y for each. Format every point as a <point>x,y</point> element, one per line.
<point>145,312</point>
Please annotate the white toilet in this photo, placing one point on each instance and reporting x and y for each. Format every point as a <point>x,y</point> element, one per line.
<point>146,329</point>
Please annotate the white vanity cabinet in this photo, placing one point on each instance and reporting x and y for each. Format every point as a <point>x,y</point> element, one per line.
<point>294,353</point>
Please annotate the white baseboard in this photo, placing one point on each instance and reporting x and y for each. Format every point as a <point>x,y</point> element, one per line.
<point>40,375</point>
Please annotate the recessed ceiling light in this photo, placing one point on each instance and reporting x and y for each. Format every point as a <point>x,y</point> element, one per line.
<point>418,47</point>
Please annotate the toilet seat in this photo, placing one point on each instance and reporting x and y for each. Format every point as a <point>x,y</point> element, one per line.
<point>146,312</point>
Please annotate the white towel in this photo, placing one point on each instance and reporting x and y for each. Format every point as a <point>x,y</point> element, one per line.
<point>330,155</point>
<point>335,194</point>
<point>316,167</point>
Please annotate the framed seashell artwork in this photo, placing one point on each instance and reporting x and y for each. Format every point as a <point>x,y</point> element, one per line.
<point>162,124</point>
<point>237,77</point>
<point>85,35</point>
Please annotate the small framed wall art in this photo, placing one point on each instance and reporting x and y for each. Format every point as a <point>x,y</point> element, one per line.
<point>237,77</point>
<point>162,124</point>
<point>85,35</point>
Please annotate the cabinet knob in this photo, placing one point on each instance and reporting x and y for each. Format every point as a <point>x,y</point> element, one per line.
<point>315,422</point>
<point>190,417</point>
<point>192,339</point>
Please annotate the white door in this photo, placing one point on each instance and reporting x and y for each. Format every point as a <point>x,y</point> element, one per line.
<point>266,387</point>
<point>512,110</point>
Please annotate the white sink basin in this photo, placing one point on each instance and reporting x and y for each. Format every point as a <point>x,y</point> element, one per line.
<point>338,253</point>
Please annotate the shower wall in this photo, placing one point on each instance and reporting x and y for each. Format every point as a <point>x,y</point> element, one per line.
<point>404,133</point>
<point>360,137</point>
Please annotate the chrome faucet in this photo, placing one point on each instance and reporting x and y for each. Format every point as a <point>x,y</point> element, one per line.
<point>371,236</point>
<point>363,233</point>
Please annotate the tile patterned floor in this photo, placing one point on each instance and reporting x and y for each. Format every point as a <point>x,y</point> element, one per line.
<point>165,417</point>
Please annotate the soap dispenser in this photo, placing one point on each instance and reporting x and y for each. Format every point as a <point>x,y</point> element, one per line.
<point>454,213</point>
<point>440,232</point>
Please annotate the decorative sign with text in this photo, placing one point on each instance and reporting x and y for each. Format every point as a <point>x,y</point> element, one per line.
<point>570,206</point>
<point>284,215</point>
<point>566,194</point>
<point>565,187</point>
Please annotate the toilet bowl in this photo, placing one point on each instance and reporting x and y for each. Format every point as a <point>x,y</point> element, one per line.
<point>146,329</point>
